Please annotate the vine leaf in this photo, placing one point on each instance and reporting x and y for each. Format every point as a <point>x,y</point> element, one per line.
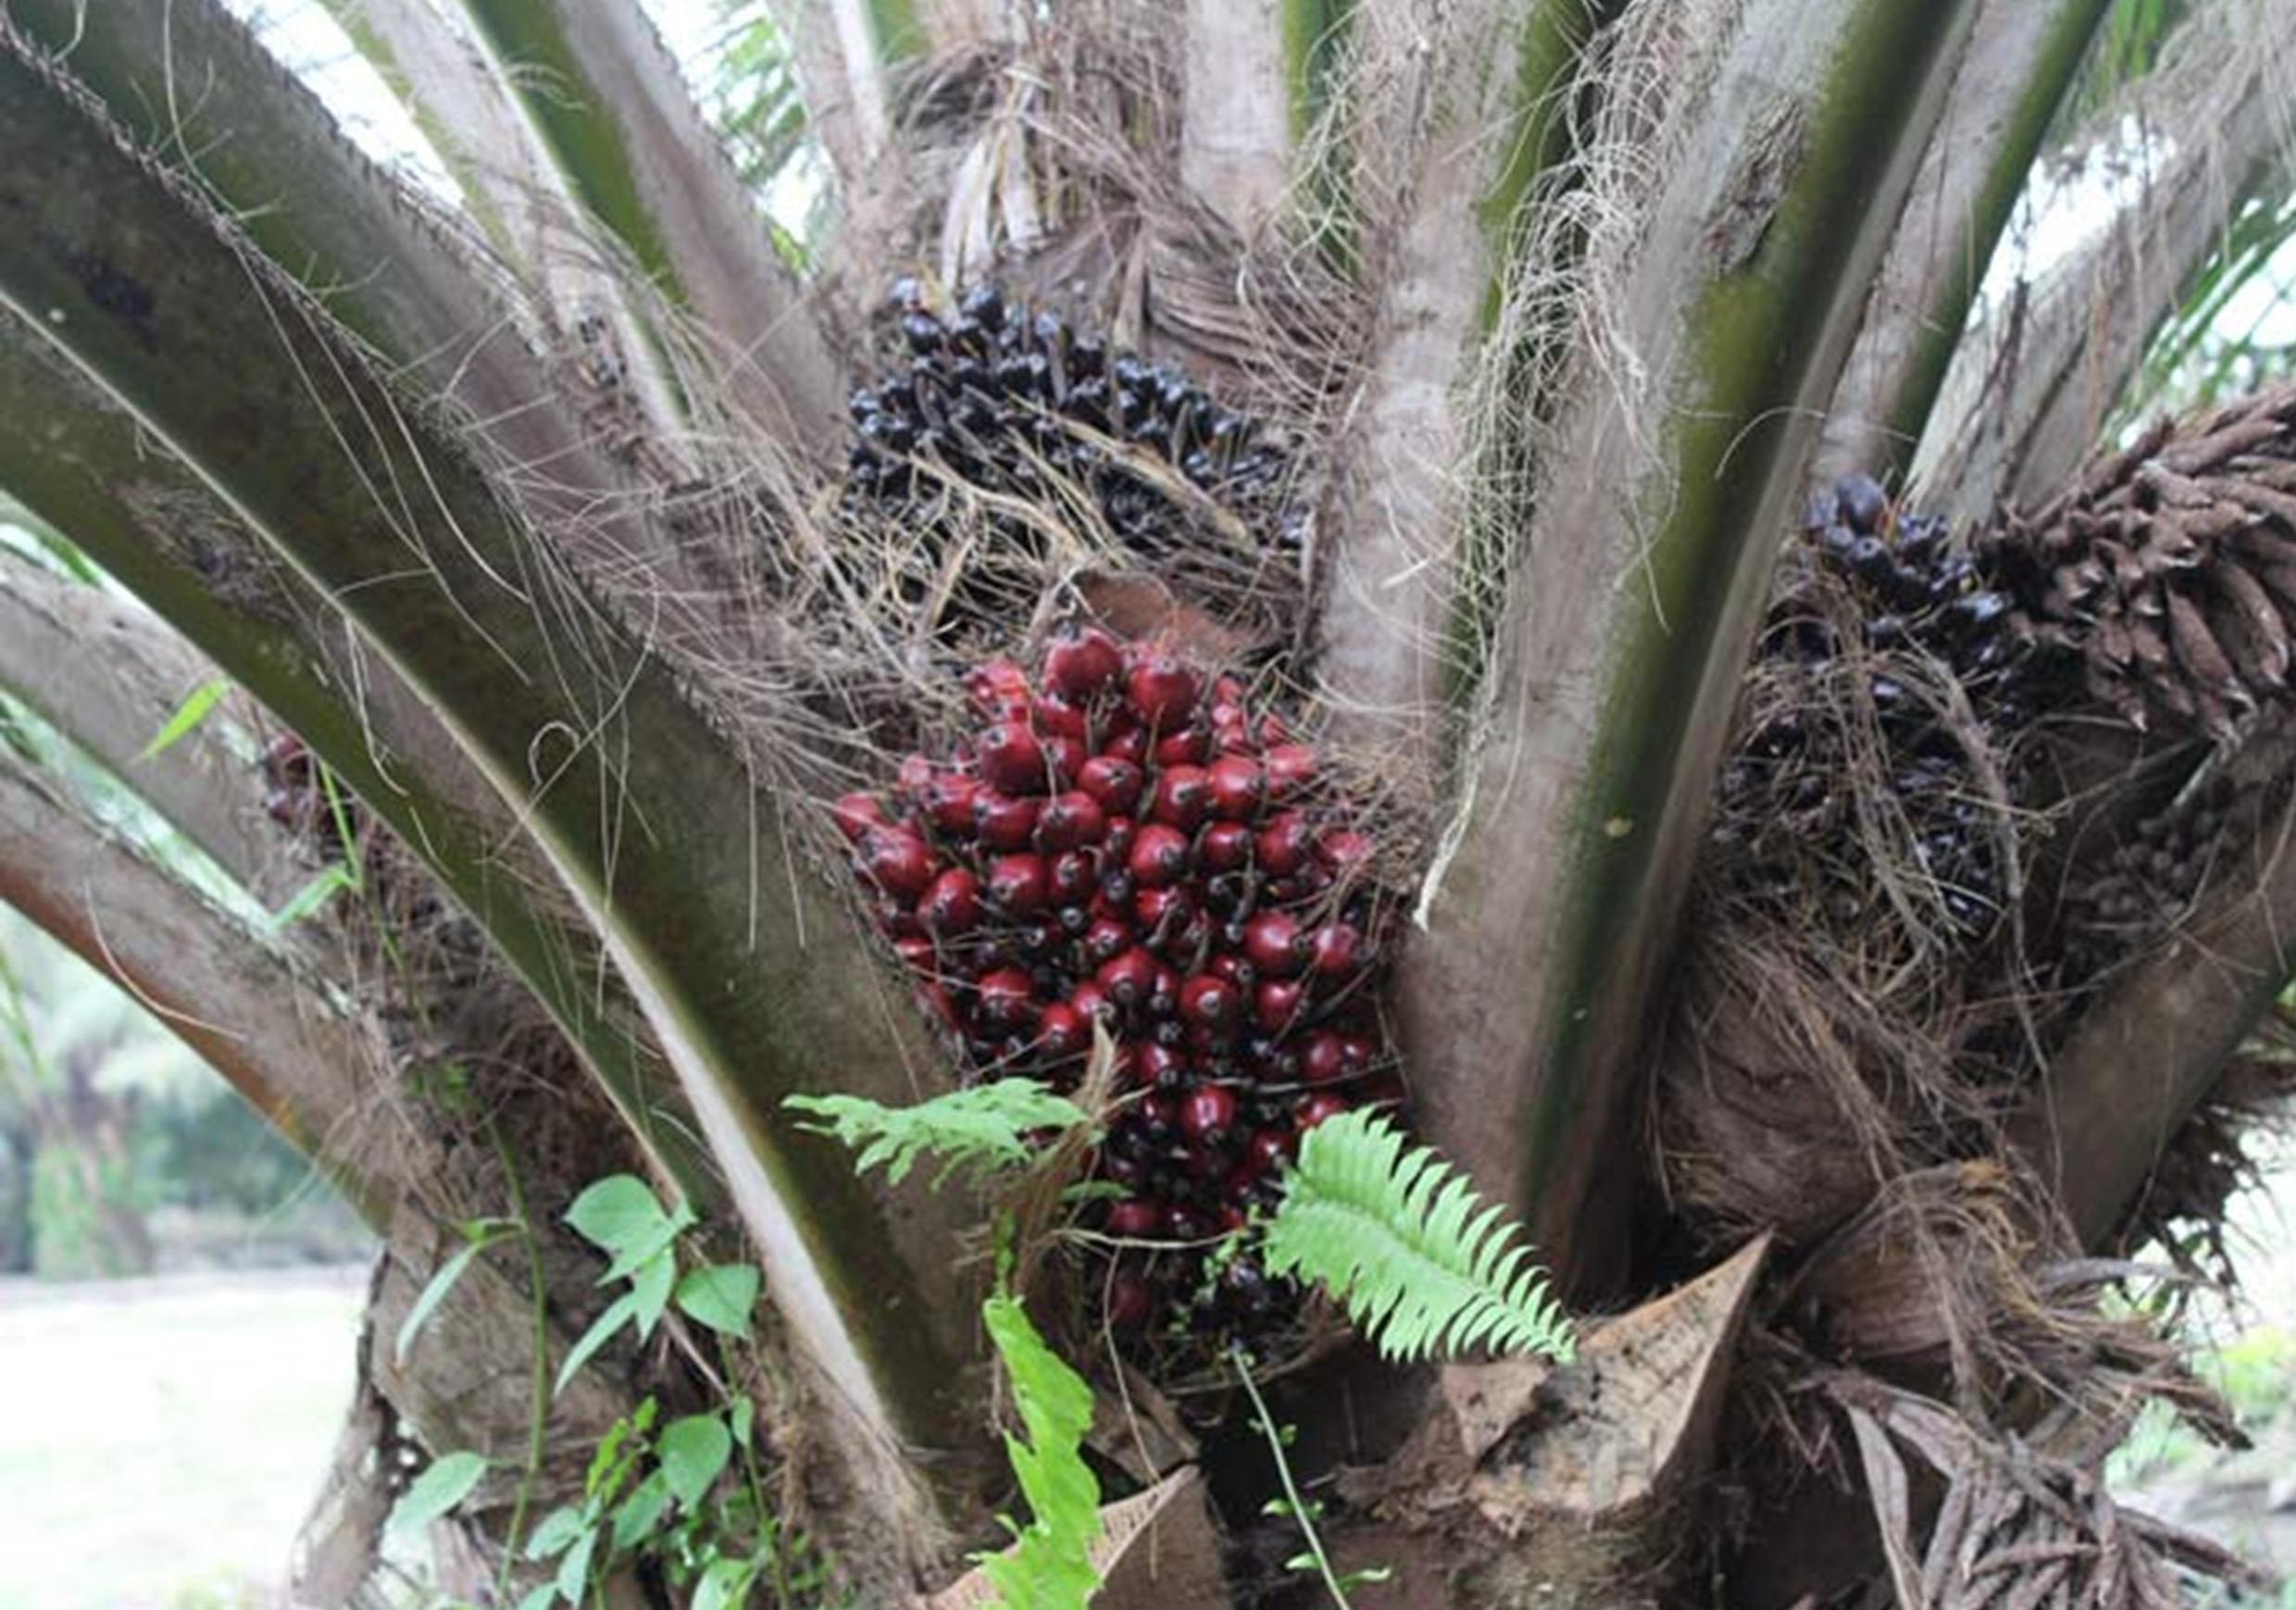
<point>1400,1239</point>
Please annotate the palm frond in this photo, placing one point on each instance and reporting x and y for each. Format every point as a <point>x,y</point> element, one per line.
<point>1399,1237</point>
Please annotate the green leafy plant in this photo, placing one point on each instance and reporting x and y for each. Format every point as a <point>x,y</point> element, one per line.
<point>188,715</point>
<point>982,1129</point>
<point>621,1217</point>
<point>1306,1511</point>
<point>1049,1565</point>
<point>1420,1264</point>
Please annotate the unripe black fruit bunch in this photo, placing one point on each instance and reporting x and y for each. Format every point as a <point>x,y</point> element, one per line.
<point>1122,839</point>
<point>1020,403</point>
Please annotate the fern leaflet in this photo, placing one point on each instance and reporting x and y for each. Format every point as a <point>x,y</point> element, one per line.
<point>982,1128</point>
<point>1050,1564</point>
<point>1421,1265</point>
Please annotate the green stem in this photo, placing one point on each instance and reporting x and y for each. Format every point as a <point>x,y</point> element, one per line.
<point>1290,1488</point>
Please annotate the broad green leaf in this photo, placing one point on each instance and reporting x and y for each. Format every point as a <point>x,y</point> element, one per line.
<point>615,1211</point>
<point>693,1452</point>
<point>724,1585</point>
<point>540,1598</point>
<point>558,1529</point>
<point>438,1490</point>
<point>602,1330</point>
<point>641,1248</point>
<point>188,715</point>
<point>307,900</point>
<point>720,1296</point>
<point>433,1294</point>
<point>744,1414</point>
<point>640,1512</point>
<point>574,1569</point>
<point>651,1287</point>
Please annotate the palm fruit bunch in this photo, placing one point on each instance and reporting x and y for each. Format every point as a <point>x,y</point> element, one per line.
<point>1881,605</point>
<point>2167,576</point>
<point>1021,404</point>
<point>294,798</point>
<point>1122,840</point>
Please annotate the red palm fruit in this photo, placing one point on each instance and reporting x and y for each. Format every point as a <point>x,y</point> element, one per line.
<point>896,921</point>
<point>1082,663</point>
<point>1115,782</point>
<point>1272,944</point>
<point>915,772</point>
<point>1239,786</point>
<point>998,689</point>
<point>1106,938</point>
<point>1189,746</point>
<point>1231,1220</point>
<point>1129,979</point>
<point>1322,1060</point>
<point>1060,718</point>
<point>1002,822</point>
<point>1064,758</point>
<point>1282,846</point>
<point>1225,846</point>
<point>947,801</point>
<point>1069,878</point>
<point>1291,768</point>
<point>1159,1067</point>
<point>1062,1033</point>
<point>1132,1301</point>
<point>918,952</point>
<point>1227,965</point>
<point>1018,884</point>
<point>1324,1103</point>
<point>1156,910</point>
<point>1162,993</point>
<point>1116,845</point>
<point>1336,949</point>
<point>1355,1051</point>
<point>1276,1003</point>
<point>1270,1150</point>
<point>940,1006</point>
<point>1090,1002</point>
<point>1210,1001</point>
<point>1159,855</point>
<point>952,905</point>
<point>1161,690</point>
<point>897,862</point>
<point>1133,1219</point>
<point>1011,758</point>
<point>1007,1000</point>
<point>855,814</point>
<point>1345,851</point>
<point>1384,1091</point>
<point>1069,821</point>
<point>1126,743</point>
<point>1154,1112</point>
<point>1183,797</point>
<point>1233,738</point>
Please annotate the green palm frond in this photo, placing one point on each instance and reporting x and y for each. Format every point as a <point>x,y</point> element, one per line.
<point>986,1128</point>
<point>1420,1264</point>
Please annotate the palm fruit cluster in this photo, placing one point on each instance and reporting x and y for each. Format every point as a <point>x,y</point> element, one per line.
<point>1882,607</point>
<point>1122,840</point>
<point>1020,403</point>
<point>296,800</point>
<point>2166,577</point>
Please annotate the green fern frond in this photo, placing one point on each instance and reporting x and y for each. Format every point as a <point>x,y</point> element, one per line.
<point>1050,1564</point>
<point>1401,1240</point>
<point>982,1128</point>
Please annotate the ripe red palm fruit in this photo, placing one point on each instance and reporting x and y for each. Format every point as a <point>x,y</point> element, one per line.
<point>897,862</point>
<point>1291,768</point>
<point>1064,758</point>
<point>951,906</point>
<point>1127,743</point>
<point>947,801</point>
<point>1007,1000</point>
<point>1115,782</point>
<point>1018,884</point>
<point>918,952</point>
<point>1188,746</point>
<point>1156,911</point>
<point>1238,786</point>
<point>1162,993</point>
<point>1270,1150</point>
<point>1002,822</point>
<point>1210,1001</point>
<point>1132,1302</point>
<point>855,814</point>
<point>1345,851</point>
<point>1070,878</point>
<point>1161,690</point>
<point>1159,1067</point>
<point>1283,845</point>
<point>1276,1004</point>
<point>1159,855</point>
<point>1091,1002</point>
<point>1183,797</point>
<point>1322,1059</point>
<point>1071,820</point>
<point>1134,1220</point>
<point>1129,979</point>
<point>1062,1032</point>
<point>1106,938</point>
<point>1011,758</point>
<point>1315,1108</point>
<point>1336,949</point>
<point>998,689</point>
<point>1225,847</point>
<point>915,772</point>
<point>1060,718</point>
<point>1081,665</point>
<point>1273,944</point>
